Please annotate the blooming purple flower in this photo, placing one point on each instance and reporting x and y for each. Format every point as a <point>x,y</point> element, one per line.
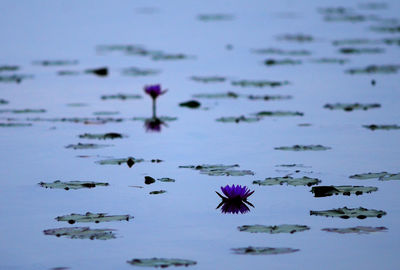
<point>236,192</point>
<point>154,90</point>
<point>236,199</point>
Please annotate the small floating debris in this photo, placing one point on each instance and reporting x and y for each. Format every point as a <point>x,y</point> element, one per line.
<point>56,62</point>
<point>192,104</point>
<point>348,107</point>
<point>346,213</point>
<point>284,228</point>
<point>278,113</point>
<point>121,97</point>
<point>325,60</point>
<point>161,262</point>
<point>325,191</point>
<point>208,79</point>
<point>273,62</point>
<point>17,78</point>
<point>134,71</point>
<point>81,146</point>
<point>102,136</point>
<point>282,52</point>
<point>23,111</point>
<point>219,170</point>
<point>8,68</point>
<point>358,230</point>
<point>101,72</point>
<point>374,69</point>
<point>382,127</point>
<point>72,184</point>
<point>82,233</point>
<point>288,180</point>
<point>312,147</point>
<point>155,192</point>
<point>215,17</point>
<point>166,179</point>
<point>263,251</point>
<point>296,38</point>
<point>130,161</point>
<point>91,217</point>
<point>259,83</point>
<point>364,176</point>
<point>361,50</point>
<point>242,118</point>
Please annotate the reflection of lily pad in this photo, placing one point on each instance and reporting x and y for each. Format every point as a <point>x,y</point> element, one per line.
<point>358,230</point>
<point>208,79</point>
<point>288,180</point>
<point>284,228</point>
<point>279,113</point>
<point>214,17</point>
<point>80,146</point>
<point>23,111</point>
<point>193,104</point>
<point>351,106</point>
<point>297,147</point>
<point>82,233</point>
<point>119,161</point>
<point>155,192</point>
<point>239,119</point>
<point>382,127</point>
<point>346,213</point>
<point>273,62</point>
<point>219,170</point>
<point>325,191</point>
<point>161,262</point>
<point>363,176</point>
<point>103,136</point>
<point>166,179</point>
<point>282,52</point>
<point>72,184</point>
<point>120,97</point>
<point>251,83</point>
<point>263,250</point>
<point>90,217</point>
<point>134,71</point>
<point>373,69</point>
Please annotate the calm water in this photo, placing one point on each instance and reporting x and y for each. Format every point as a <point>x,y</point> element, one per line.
<point>183,223</point>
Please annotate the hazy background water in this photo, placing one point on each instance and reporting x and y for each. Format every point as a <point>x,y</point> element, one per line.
<point>183,222</point>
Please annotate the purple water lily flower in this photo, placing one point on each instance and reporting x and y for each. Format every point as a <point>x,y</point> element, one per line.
<point>236,192</point>
<point>236,199</point>
<point>154,90</point>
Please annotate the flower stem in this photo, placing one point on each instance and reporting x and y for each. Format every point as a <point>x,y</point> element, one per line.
<point>154,108</point>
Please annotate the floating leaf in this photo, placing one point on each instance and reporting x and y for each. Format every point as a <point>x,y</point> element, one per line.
<point>3,101</point>
<point>134,71</point>
<point>351,106</point>
<point>119,161</point>
<point>102,136</point>
<point>68,73</point>
<point>346,213</point>
<point>56,62</point>
<point>169,56</point>
<point>358,230</point>
<point>239,119</point>
<point>279,113</point>
<point>296,37</point>
<point>219,170</point>
<point>381,127</point>
<point>166,179</point>
<point>263,250</point>
<point>208,79</point>
<point>339,61</point>
<point>80,146</point>
<point>292,165</point>
<point>77,104</point>
<point>23,111</point>
<point>268,97</point>
<point>15,124</point>
<point>215,17</point>
<point>161,262</point>
<point>193,104</point>
<point>354,41</point>
<point>325,191</point>
<point>288,180</point>
<point>389,176</point>
<point>386,29</point>
<point>297,147</point>
<point>91,217</point>
<point>106,113</point>
<point>282,52</point>
<point>251,83</point>
<point>121,97</point>
<point>364,176</point>
<point>8,68</point>
<point>17,78</point>
<point>361,50</point>
<point>284,228</point>
<point>217,95</point>
<point>82,233</point>
<point>83,120</point>
<point>72,184</point>
<point>155,192</point>
<point>373,69</point>
<point>391,41</point>
<point>273,62</point>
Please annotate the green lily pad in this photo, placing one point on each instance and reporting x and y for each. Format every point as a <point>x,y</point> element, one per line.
<point>233,119</point>
<point>279,113</point>
<point>56,62</point>
<point>296,38</point>
<point>82,120</point>
<point>134,71</point>
<point>348,107</point>
<point>346,213</point>
<point>386,29</point>
<point>192,104</point>
<point>120,97</point>
<point>288,180</point>
<point>91,217</point>
<point>325,60</point>
<point>214,17</point>
<point>102,136</point>
<point>166,179</point>
<point>72,184</point>
<point>3,101</point>
<point>358,230</point>
<point>17,78</point>
<point>15,124</point>
<point>155,192</point>
<point>80,146</point>
<point>391,41</point>
<point>8,68</point>
<point>208,79</point>
<point>374,69</point>
<point>161,262</point>
<point>217,95</point>
<point>68,73</point>
<point>259,83</point>
<point>390,176</point>
<point>284,228</point>
<point>273,62</point>
<point>268,97</point>
<point>263,251</point>
<point>101,113</point>
<point>23,111</point>
<point>354,41</point>
<point>381,127</point>
<point>361,50</point>
<point>364,176</point>
<point>325,191</point>
<point>219,170</point>
<point>119,161</point>
<point>169,56</point>
<point>312,147</point>
<point>282,52</point>
<point>82,233</point>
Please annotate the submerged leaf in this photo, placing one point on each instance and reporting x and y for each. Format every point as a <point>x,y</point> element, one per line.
<point>325,191</point>
<point>284,228</point>
<point>288,180</point>
<point>103,136</point>
<point>351,106</point>
<point>82,233</point>
<point>161,262</point>
<point>80,146</point>
<point>358,230</point>
<point>263,250</point>
<point>297,147</point>
<point>72,184</point>
<point>346,213</point>
<point>91,217</point>
<point>219,170</point>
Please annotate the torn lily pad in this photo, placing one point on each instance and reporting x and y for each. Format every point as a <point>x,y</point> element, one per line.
<point>217,95</point>
<point>374,69</point>
<point>166,179</point>
<point>56,62</point>
<point>155,192</point>
<point>134,71</point>
<point>82,233</point>
<point>325,191</point>
<point>81,146</point>
<point>278,113</point>
<point>91,217</point>
<point>72,184</point>
<point>118,161</point>
<point>192,104</point>
<point>312,147</point>
<point>358,230</point>
<point>219,170</point>
<point>348,107</point>
<point>259,83</point>
<point>102,136</point>
<point>208,79</point>
<point>364,176</point>
<point>120,97</point>
<point>282,52</point>
<point>381,127</point>
<point>263,251</point>
<point>273,62</point>
<point>161,262</point>
<point>288,180</point>
<point>284,228</point>
<point>346,213</point>
<point>239,119</point>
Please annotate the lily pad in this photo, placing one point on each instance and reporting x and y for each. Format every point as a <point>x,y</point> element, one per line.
<point>364,176</point>
<point>219,170</point>
<point>155,192</point>
<point>233,119</point>
<point>8,68</point>
<point>268,97</point>
<point>312,147</point>
<point>214,17</point>
<point>121,97</point>
<point>325,60</point>
<point>284,228</point>
<point>358,230</point>
<point>80,146</point>
<point>263,251</point>
<point>161,262</point>
<point>391,41</point>
<point>119,161</point>
<point>192,104</point>
<point>217,95</point>
<point>361,50</point>
<point>134,71</point>
<point>3,101</point>
<point>296,38</point>
<point>208,79</point>
<point>23,111</point>
<point>259,83</point>
<point>72,184</point>
<point>346,213</point>
<point>17,78</point>
<point>166,179</point>
<point>82,233</point>
<point>386,29</point>
<point>381,127</point>
<point>325,191</point>
<point>273,62</point>
<point>15,124</point>
<point>77,104</point>
<point>278,113</point>
<point>390,176</point>
<point>82,120</point>
<point>102,136</point>
<point>68,73</point>
<point>169,56</point>
<point>56,62</point>
<point>348,107</point>
<point>91,217</point>
<point>101,113</point>
<point>282,52</point>
<point>354,41</point>
<point>288,180</point>
<point>374,69</point>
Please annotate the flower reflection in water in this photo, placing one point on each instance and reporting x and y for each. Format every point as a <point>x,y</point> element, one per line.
<point>154,124</point>
<point>235,201</point>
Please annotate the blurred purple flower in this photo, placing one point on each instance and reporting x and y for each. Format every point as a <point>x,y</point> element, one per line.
<point>235,200</point>
<point>154,90</point>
